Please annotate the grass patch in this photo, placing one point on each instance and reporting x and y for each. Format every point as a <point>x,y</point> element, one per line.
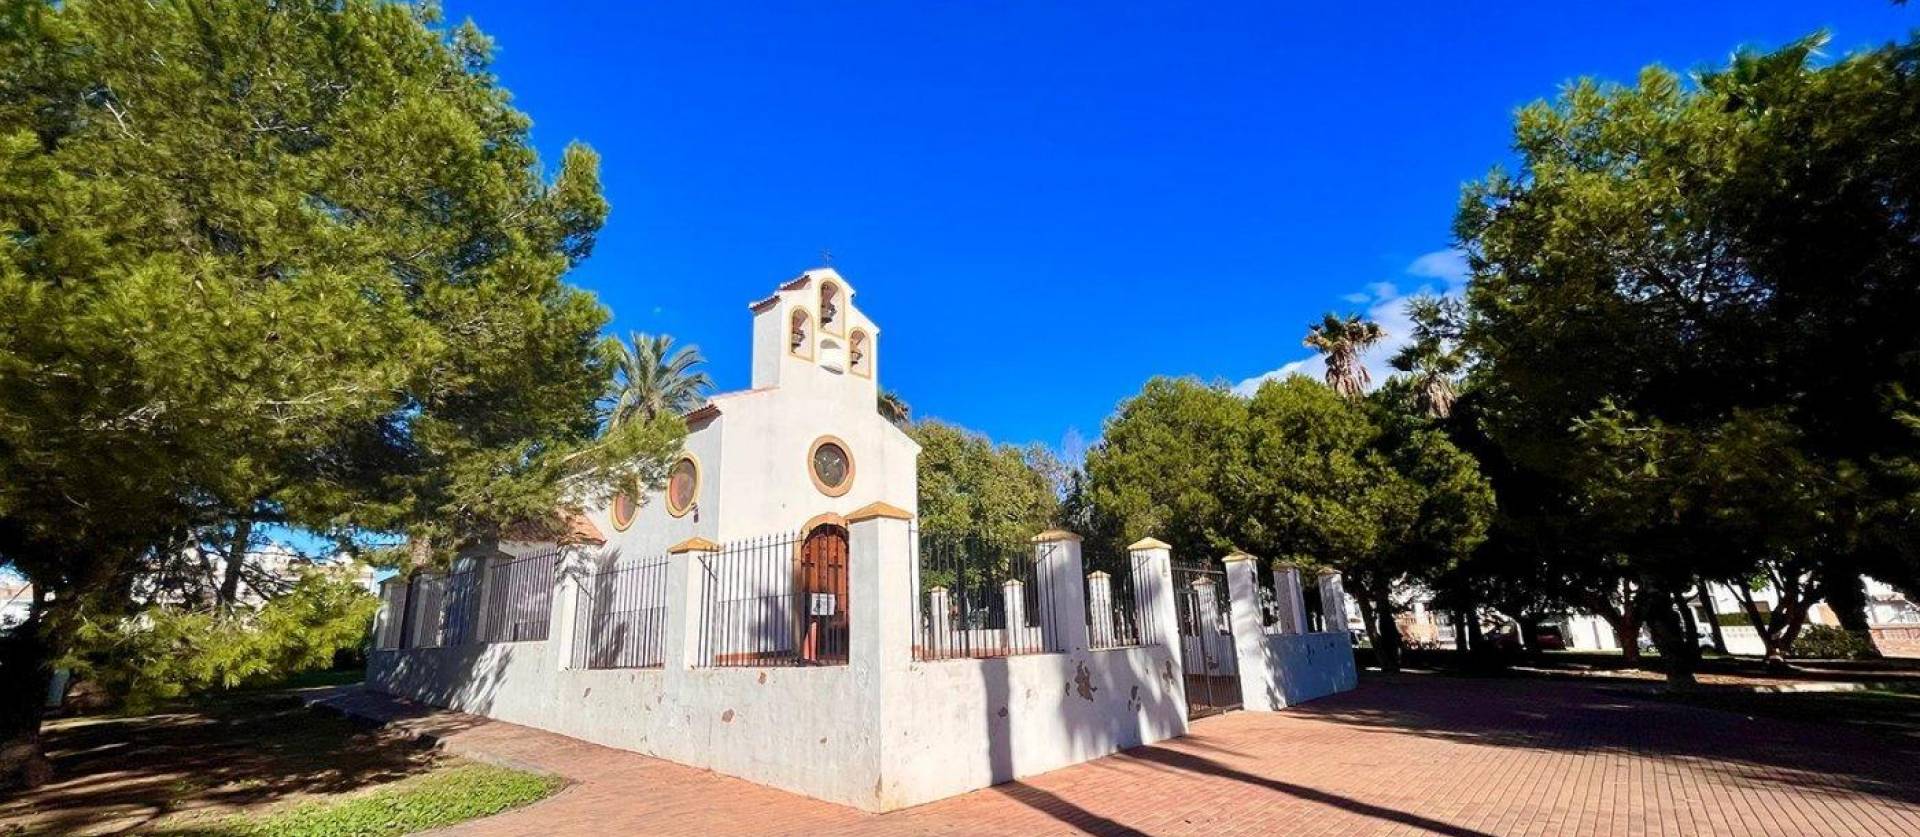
<point>433,800</point>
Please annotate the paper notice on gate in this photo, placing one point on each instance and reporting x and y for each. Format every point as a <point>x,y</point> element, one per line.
<point>821,604</point>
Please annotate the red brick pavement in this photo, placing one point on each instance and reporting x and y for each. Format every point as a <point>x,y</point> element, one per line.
<point>1412,755</point>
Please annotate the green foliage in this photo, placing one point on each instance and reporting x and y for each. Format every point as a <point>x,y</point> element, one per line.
<point>1826,642</point>
<point>1690,323</point>
<point>1160,467</point>
<point>1342,341</point>
<point>1298,473</point>
<point>652,378</point>
<point>295,263</point>
<point>438,799</point>
<point>165,652</point>
<point>973,488</point>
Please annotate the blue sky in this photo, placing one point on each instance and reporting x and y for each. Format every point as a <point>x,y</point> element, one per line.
<point>1044,205</point>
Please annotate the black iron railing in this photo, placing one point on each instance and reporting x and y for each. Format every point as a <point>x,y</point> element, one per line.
<point>517,598</point>
<point>620,620</point>
<point>980,598</point>
<point>779,600</point>
<point>1114,617</point>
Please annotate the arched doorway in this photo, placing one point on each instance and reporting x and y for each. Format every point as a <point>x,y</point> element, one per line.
<point>821,573</point>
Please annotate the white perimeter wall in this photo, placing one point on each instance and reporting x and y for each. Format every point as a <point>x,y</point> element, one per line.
<point>792,728</point>
<point>1299,668</point>
<point>957,725</point>
<point>883,731</point>
<point>949,727</point>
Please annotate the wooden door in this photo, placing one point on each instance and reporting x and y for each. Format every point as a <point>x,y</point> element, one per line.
<point>823,571</point>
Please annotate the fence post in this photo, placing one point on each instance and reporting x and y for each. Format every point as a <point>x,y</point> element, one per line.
<point>881,568</point>
<point>939,617</point>
<point>1100,609</point>
<point>1013,602</point>
<point>1249,635</point>
<point>1333,601</point>
<point>1153,594</point>
<point>1292,601</point>
<point>686,586</point>
<point>1056,555</point>
<point>383,618</point>
<point>570,568</point>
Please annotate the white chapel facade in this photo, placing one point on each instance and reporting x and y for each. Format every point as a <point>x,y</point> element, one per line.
<point>801,448</point>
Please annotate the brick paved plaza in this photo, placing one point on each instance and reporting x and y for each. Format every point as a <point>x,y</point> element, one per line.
<point>1416,754</point>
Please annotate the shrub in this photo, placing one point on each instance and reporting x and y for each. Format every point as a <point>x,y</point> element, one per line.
<point>1831,643</point>
<point>165,652</point>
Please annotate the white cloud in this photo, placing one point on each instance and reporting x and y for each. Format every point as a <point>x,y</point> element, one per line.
<point>1387,306</point>
<point>1449,265</point>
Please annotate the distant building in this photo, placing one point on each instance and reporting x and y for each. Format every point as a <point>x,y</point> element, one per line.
<point>16,602</point>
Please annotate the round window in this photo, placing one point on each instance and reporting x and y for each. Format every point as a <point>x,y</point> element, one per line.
<point>831,466</point>
<point>683,485</point>
<point>623,509</point>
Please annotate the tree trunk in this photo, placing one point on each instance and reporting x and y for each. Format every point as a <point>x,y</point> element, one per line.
<point>1529,634</point>
<point>1460,632</point>
<point>1621,618</point>
<point>1386,650</point>
<point>1846,592</point>
<point>1366,618</point>
<point>25,675</point>
<point>1713,618</point>
<point>1477,638</point>
<point>236,559</point>
<point>1689,624</point>
<point>1626,631</point>
<point>1663,621</point>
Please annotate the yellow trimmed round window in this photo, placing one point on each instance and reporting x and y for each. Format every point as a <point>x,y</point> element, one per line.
<point>831,466</point>
<point>683,486</point>
<point>623,510</point>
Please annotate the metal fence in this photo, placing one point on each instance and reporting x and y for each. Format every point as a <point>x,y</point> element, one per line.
<point>779,600</point>
<point>1315,617</point>
<point>1114,614</point>
<point>492,602</point>
<point>517,598</point>
<point>977,598</point>
<point>393,597</point>
<point>441,608</point>
<point>621,619</point>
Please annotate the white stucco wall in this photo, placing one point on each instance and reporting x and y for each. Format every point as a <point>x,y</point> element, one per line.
<point>1301,667</point>
<point>949,727</point>
<point>958,725</point>
<point>785,727</point>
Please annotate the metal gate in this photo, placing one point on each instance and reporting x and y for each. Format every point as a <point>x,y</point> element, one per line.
<point>1207,654</point>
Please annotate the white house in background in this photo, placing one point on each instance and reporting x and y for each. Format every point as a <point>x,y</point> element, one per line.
<point>271,568</point>
<point>1890,614</point>
<point>773,613</point>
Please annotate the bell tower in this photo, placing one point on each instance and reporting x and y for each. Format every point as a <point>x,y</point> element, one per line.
<point>809,335</point>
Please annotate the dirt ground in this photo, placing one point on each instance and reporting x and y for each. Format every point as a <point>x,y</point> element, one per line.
<point>120,775</point>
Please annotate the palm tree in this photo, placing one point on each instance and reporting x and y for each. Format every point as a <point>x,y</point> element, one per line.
<point>1342,341</point>
<point>652,378</point>
<point>1433,367</point>
<point>893,408</point>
